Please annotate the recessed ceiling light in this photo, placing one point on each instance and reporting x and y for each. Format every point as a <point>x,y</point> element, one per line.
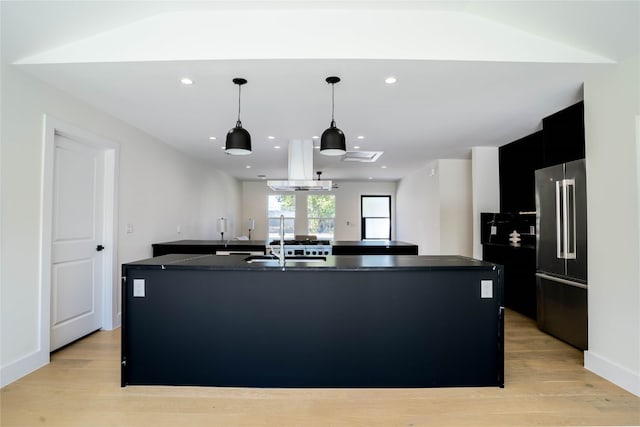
<point>223,147</point>
<point>261,176</point>
<point>212,138</point>
<point>276,147</point>
<point>390,80</point>
<point>248,166</point>
<point>317,147</point>
<point>383,167</point>
<point>356,147</point>
<point>360,137</point>
<point>370,177</point>
<point>315,137</point>
<point>186,81</point>
<point>271,137</point>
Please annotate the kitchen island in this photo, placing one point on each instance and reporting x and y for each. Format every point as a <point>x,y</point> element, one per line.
<point>373,247</point>
<point>349,321</point>
<point>209,247</point>
<point>341,247</point>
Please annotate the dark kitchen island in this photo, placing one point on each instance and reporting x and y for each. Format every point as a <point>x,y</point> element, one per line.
<point>209,247</point>
<point>342,247</point>
<point>373,247</point>
<point>350,321</point>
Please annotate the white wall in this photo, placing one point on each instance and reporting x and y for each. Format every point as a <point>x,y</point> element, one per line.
<point>418,209</point>
<point>612,112</point>
<point>456,225</point>
<point>254,205</point>
<point>485,178</point>
<point>159,189</point>
<point>434,206</point>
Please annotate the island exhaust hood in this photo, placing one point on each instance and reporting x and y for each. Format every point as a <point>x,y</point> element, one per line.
<point>300,170</point>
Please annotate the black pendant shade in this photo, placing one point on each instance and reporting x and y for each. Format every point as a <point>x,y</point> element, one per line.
<point>332,142</point>
<point>238,138</point>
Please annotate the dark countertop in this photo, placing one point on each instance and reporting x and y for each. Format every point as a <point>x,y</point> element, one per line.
<point>214,243</point>
<point>510,246</point>
<point>340,247</point>
<point>371,243</point>
<point>357,243</point>
<point>341,263</point>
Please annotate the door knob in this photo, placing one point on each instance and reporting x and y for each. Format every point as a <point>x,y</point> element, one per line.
<point>99,248</point>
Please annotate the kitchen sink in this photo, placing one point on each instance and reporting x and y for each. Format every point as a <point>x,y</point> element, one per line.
<point>261,258</point>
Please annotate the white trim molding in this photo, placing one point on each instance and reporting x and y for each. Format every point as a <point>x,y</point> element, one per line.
<point>23,366</point>
<point>619,375</point>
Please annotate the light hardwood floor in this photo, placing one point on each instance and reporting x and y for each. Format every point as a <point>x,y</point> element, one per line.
<point>545,385</point>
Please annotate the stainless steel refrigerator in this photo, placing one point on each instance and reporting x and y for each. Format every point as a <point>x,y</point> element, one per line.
<point>561,252</point>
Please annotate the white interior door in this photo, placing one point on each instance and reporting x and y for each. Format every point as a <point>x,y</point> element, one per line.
<point>77,265</point>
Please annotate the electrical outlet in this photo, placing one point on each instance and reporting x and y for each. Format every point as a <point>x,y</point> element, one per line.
<point>129,228</point>
<point>138,288</point>
<point>486,289</point>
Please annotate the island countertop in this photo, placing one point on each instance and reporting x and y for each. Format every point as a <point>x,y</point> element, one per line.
<point>341,263</point>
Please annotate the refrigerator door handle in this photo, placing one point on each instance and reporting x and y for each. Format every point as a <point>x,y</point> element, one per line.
<point>569,189</point>
<point>560,280</point>
<point>559,226</point>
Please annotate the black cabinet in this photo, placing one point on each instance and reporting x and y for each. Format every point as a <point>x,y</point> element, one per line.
<point>518,259</point>
<point>404,321</point>
<point>373,247</point>
<point>564,135</point>
<point>209,247</point>
<point>518,162</point>
<point>519,275</point>
<point>561,140</point>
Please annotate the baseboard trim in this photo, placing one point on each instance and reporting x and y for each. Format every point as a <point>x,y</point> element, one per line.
<point>21,367</point>
<point>620,376</point>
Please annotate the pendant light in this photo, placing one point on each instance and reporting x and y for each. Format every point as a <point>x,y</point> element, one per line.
<point>332,142</point>
<point>238,139</point>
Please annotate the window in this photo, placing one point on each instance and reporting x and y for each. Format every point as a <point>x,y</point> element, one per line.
<point>321,215</point>
<point>376,217</point>
<point>281,204</point>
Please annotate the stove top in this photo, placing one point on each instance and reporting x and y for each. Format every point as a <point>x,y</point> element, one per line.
<point>305,247</point>
<point>302,242</point>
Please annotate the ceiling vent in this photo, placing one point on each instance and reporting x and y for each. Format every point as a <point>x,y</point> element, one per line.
<point>362,156</point>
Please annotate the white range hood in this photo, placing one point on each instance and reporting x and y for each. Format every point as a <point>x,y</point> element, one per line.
<point>300,170</point>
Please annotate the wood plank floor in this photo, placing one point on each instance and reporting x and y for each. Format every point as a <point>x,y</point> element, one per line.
<point>545,385</point>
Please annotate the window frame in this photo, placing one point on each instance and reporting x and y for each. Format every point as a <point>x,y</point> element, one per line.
<point>309,218</point>
<point>363,219</point>
<point>287,236</point>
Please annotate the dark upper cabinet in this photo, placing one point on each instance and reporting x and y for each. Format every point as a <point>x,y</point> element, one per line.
<point>564,135</point>
<point>561,140</point>
<point>518,162</point>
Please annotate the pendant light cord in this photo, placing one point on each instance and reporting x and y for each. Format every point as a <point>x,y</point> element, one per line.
<point>333,85</point>
<point>239,90</point>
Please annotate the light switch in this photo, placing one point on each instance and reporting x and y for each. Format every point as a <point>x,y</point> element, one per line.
<point>138,287</point>
<point>486,289</point>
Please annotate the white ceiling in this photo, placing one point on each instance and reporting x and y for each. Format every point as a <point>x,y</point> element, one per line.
<point>470,73</point>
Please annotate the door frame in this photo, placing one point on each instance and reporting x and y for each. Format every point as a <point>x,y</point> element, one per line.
<point>111,315</point>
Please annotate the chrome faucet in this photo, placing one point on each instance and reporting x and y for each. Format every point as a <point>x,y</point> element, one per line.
<point>281,256</point>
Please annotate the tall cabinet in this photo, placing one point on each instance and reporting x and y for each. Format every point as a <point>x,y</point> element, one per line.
<point>561,140</point>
